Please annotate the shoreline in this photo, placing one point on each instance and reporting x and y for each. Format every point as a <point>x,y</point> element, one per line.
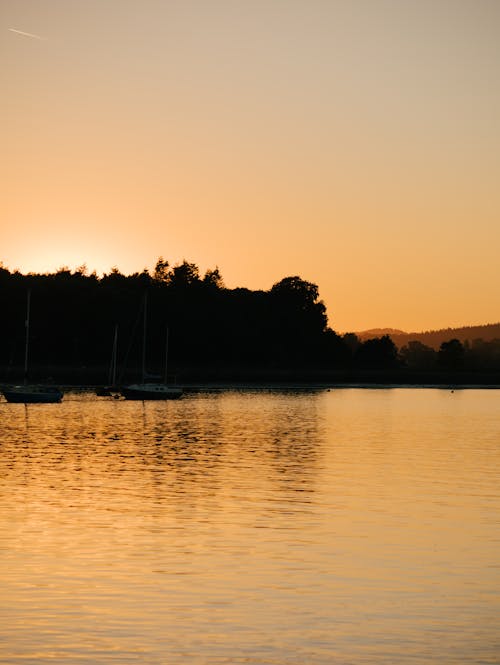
<point>244,378</point>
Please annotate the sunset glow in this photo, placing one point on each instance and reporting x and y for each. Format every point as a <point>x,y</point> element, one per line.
<point>355,144</point>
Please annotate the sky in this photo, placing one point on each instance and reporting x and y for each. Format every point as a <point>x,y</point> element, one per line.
<point>355,143</point>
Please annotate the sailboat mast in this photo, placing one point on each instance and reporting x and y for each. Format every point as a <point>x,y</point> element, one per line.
<point>114,353</point>
<point>166,357</point>
<point>144,331</point>
<point>27,327</point>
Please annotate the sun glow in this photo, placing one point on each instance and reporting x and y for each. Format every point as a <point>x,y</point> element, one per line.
<point>43,252</point>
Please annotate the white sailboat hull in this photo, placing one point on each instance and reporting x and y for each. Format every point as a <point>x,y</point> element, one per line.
<point>157,391</point>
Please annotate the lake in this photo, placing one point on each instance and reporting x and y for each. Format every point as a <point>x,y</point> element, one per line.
<point>259,527</point>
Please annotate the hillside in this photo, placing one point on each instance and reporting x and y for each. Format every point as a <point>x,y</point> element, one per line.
<point>434,338</point>
<point>379,332</point>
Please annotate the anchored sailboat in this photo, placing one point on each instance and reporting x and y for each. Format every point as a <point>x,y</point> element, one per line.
<point>28,394</point>
<point>143,390</point>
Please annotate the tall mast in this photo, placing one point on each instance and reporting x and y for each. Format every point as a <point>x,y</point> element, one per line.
<point>166,357</point>
<point>144,331</point>
<point>114,354</point>
<point>27,327</point>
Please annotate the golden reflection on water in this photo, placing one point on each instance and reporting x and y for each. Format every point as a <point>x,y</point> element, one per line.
<point>351,526</point>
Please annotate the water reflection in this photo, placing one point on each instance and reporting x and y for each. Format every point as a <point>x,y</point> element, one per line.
<point>352,526</point>
<point>183,453</point>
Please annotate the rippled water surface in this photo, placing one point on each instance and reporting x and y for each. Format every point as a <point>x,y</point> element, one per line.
<point>349,526</point>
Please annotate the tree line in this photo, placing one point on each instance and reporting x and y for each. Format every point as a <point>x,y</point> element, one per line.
<point>211,327</point>
<point>434,338</point>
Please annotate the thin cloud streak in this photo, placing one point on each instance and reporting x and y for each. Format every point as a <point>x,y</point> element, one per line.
<point>26,34</point>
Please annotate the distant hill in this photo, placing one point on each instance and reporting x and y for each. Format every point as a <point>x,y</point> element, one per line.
<point>379,332</point>
<point>434,338</point>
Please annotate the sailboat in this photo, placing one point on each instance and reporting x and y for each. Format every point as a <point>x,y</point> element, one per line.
<point>143,390</point>
<point>28,394</point>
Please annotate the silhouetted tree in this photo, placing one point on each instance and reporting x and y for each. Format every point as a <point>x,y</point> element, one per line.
<point>352,341</point>
<point>213,278</point>
<point>484,355</point>
<point>335,351</point>
<point>379,353</point>
<point>416,355</point>
<point>162,271</point>
<point>184,275</point>
<point>451,355</point>
<point>297,320</point>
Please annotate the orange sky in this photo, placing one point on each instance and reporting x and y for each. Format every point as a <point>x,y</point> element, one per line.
<point>353,142</point>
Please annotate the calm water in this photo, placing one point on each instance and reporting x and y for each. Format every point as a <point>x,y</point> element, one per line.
<point>351,526</point>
